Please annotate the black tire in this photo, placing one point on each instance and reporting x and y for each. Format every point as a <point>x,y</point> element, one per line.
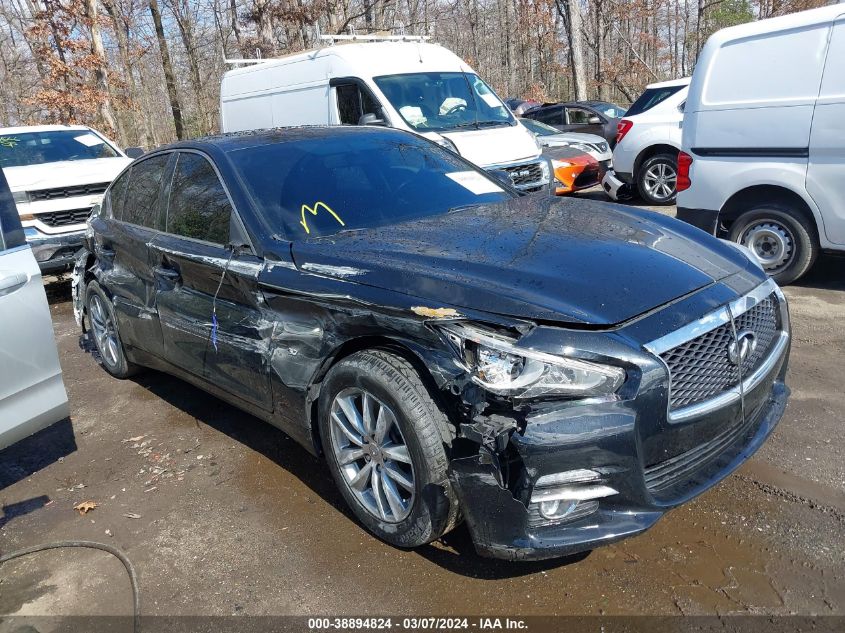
<point>424,430</point>
<point>114,359</point>
<point>780,222</point>
<point>651,193</point>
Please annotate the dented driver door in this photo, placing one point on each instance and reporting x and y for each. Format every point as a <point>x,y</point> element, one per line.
<point>207,293</point>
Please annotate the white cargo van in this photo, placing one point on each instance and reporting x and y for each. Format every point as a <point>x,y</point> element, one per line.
<point>415,86</point>
<point>763,149</point>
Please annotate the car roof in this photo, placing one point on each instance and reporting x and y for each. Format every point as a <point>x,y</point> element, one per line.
<point>232,141</point>
<point>21,129</point>
<point>683,81</point>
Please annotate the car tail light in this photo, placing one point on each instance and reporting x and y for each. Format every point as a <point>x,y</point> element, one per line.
<point>622,129</point>
<point>684,162</point>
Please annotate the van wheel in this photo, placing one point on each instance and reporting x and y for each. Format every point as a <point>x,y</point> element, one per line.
<point>383,437</point>
<point>657,179</point>
<point>104,330</point>
<point>783,241</point>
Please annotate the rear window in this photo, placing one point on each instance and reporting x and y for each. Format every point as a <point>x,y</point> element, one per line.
<point>650,98</point>
<point>311,187</point>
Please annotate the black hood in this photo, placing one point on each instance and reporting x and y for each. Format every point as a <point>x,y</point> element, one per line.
<point>572,261</point>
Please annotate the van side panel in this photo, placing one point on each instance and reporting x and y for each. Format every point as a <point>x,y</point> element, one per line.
<point>826,171</point>
<point>759,85</point>
<point>246,113</point>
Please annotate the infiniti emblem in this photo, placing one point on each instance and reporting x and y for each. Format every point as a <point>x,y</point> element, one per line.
<point>740,349</point>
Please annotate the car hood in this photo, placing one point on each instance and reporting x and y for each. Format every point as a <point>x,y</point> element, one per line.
<point>572,261</point>
<point>494,145</point>
<point>64,173</point>
<point>571,137</point>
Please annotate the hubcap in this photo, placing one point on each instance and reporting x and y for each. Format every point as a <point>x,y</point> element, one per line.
<point>105,334</point>
<point>660,180</point>
<point>372,454</point>
<point>772,245</point>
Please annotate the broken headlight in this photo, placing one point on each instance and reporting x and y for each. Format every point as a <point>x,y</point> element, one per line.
<point>500,367</point>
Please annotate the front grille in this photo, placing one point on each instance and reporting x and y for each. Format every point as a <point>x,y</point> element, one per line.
<point>68,192</point>
<point>525,176</point>
<point>700,369</point>
<point>64,218</point>
<point>587,178</point>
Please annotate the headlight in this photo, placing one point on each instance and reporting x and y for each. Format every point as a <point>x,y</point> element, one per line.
<point>500,367</point>
<point>580,147</point>
<point>557,164</point>
<point>20,197</point>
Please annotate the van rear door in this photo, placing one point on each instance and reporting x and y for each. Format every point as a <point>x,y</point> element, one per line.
<point>826,171</point>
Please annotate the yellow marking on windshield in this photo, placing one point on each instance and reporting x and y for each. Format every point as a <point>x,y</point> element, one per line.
<point>8,141</point>
<point>313,211</point>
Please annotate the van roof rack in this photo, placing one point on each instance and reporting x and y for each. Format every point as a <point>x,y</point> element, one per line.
<point>355,37</point>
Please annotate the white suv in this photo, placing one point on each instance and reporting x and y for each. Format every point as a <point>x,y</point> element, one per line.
<point>645,158</point>
<point>57,173</point>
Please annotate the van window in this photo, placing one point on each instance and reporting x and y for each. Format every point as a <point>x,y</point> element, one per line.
<point>784,66</point>
<point>650,98</point>
<point>199,207</point>
<point>441,102</point>
<point>141,206</point>
<point>353,103</point>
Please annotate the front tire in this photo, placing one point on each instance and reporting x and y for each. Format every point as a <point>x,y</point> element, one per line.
<point>657,179</point>
<point>104,332</point>
<point>784,242</point>
<point>383,437</point>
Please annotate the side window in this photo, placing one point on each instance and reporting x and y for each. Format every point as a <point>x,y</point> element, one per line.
<point>141,202</point>
<point>117,196</point>
<point>353,103</point>
<point>578,116</point>
<point>552,116</point>
<point>199,207</point>
<point>11,233</point>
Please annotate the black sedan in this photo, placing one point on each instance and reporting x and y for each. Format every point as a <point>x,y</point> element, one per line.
<point>557,373</point>
<point>588,117</point>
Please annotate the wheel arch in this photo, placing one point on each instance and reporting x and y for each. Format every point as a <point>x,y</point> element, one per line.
<point>742,200</point>
<point>408,351</point>
<point>653,150</point>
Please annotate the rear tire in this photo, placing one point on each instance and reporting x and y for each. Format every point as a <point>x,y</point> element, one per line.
<point>783,240</point>
<point>105,334</point>
<point>657,179</point>
<point>390,464</point>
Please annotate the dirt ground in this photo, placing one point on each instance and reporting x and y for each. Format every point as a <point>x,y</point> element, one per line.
<point>222,514</point>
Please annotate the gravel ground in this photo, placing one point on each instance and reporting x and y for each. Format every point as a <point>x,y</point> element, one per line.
<point>222,514</point>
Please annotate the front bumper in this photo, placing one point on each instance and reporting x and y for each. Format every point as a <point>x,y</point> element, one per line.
<point>54,253</point>
<point>614,187</point>
<point>651,461</point>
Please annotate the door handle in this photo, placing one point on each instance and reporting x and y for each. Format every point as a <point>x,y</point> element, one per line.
<point>9,282</point>
<point>167,274</point>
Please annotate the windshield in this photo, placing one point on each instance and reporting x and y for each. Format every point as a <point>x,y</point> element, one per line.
<point>441,102</point>
<point>35,148</point>
<point>344,181</point>
<point>541,129</point>
<point>610,110</point>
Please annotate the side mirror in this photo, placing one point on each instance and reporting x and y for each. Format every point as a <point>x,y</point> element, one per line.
<point>134,152</point>
<point>370,119</point>
<point>594,120</point>
<point>502,176</point>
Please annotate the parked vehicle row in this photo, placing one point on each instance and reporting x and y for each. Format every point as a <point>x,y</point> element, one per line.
<point>446,342</point>
<point>588,117</point>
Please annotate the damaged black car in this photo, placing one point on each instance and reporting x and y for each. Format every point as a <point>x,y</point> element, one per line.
<point>556,373</point>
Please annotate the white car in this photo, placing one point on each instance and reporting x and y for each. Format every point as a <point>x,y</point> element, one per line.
<point>57,173</point>
<point>591,144</point>
<point>32,393</point>
<point>763,160</point>
<point>645,158</point>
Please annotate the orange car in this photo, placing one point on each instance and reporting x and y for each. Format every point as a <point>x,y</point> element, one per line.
<point>574,170</point>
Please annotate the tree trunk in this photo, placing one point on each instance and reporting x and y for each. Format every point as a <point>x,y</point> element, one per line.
<point>100,73</point>
<point>571,14</point>
<point>175,108</point>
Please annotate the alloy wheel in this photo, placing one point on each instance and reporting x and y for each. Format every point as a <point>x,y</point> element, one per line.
<point>772,245</point>
<point>660,180</point>
<point>372,455</point>
<point>105,333</point>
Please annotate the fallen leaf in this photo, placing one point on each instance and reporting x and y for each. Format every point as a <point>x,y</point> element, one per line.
<point>85,507</point>
<point>137,438</point>
<point>435,313</point>
<point>132,515</point>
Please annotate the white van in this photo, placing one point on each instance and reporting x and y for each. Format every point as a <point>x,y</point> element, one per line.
<point>414,86</point>
<point>763,160</point>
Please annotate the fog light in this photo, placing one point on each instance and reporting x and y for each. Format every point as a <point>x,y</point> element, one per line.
<point>557,509</point>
